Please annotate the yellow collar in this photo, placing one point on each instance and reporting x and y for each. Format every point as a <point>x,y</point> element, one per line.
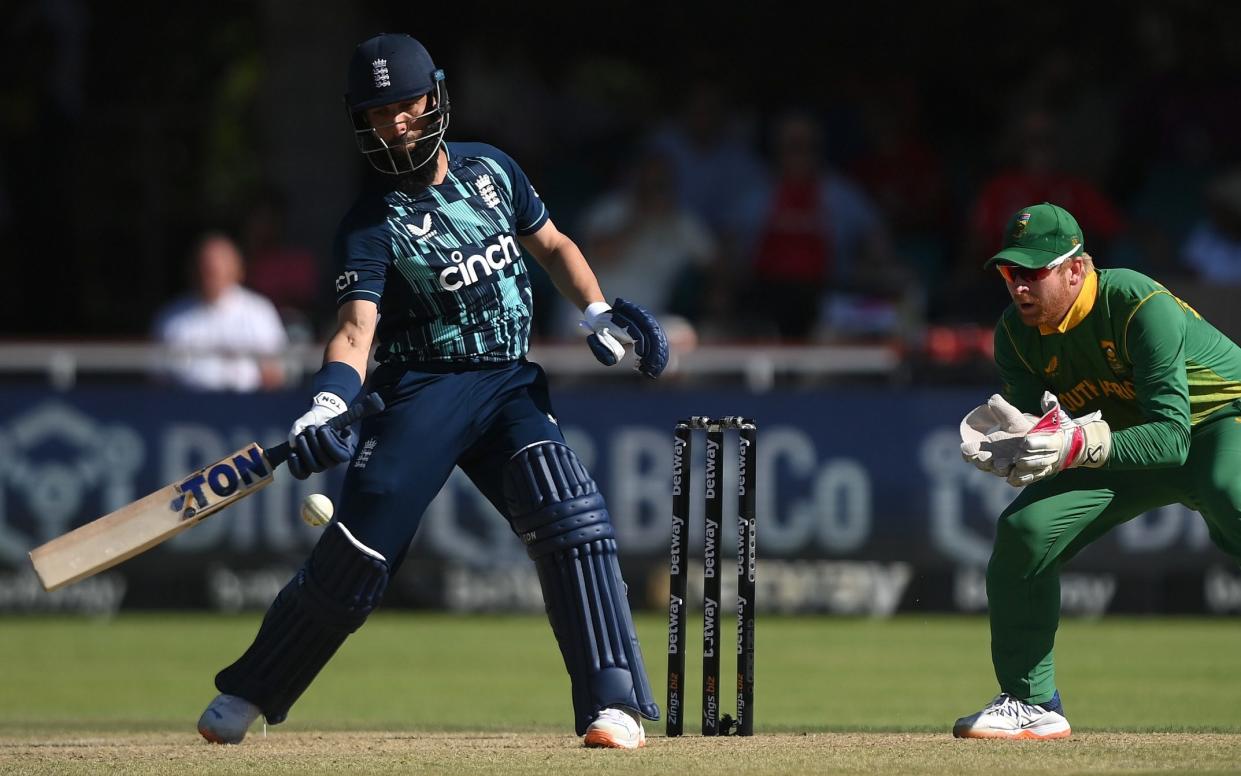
<point>1080,309</point>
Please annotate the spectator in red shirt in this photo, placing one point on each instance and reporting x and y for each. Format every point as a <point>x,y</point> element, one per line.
<point>905,174</point>
<point>819,249</point>
<point>1031,171</point>
<point>285,273</point>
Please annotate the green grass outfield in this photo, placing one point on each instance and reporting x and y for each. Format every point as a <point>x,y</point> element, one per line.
<point>440,693</point>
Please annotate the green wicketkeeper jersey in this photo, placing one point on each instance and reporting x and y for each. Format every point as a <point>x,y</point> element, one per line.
<point>1131,349</point>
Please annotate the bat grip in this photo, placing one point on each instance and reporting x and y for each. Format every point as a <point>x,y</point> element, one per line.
<point>368,405</point>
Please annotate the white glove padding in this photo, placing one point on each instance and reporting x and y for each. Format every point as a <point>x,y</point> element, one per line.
<point>597,320</point>
<point>1058,442</point>
<point>326,405</point>
<point>991,435</point>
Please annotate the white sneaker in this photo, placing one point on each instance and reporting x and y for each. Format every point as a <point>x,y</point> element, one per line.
<point>227,718</point>
<point>616,729</point>
<point>1007,717</point>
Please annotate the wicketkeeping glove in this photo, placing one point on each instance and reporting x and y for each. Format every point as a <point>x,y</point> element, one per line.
<point>992,433</point>
<point>625,323</point>
<point>1058,442</point>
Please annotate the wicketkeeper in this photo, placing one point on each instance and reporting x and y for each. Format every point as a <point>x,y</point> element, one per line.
<point>1118,398</point>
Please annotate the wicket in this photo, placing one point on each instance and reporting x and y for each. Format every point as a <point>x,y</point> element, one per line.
<point>747,555</point>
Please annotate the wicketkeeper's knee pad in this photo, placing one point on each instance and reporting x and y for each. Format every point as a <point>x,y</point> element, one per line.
<point>557,510</point>
<point>328,599</point>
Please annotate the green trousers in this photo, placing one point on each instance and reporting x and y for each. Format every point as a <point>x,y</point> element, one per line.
<point>1052,520</point>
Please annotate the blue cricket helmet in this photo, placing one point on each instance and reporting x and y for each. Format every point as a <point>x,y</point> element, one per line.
<point>391,68</point>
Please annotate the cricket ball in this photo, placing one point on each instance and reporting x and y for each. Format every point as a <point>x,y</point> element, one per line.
<point>317,509</point>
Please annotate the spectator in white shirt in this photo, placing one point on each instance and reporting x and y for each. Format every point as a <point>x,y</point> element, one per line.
<point>222,337</point>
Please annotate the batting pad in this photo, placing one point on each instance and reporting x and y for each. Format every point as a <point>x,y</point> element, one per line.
<point>328,599</point>
<point>557,510</point>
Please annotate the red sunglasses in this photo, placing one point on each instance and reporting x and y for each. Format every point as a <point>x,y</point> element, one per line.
<point>1015,274</point>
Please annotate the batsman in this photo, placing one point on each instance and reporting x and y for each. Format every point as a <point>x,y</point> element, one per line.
<point>433,274</point>
<point>1118,398</point>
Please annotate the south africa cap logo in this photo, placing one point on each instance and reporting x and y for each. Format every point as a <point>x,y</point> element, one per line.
<point>1019,228</point>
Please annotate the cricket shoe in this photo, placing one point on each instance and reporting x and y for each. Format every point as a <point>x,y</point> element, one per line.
<point>1008,717</point>
<point>227,718</point>
<point>615,729</point>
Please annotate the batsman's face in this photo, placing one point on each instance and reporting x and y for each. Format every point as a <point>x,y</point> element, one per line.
<point>402,123</point>
<point>1043,298</point>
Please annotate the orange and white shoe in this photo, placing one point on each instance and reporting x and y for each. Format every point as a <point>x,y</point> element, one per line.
<point>1008,717</point>
<point>615,729</point>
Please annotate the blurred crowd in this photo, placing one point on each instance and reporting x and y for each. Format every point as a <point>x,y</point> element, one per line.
<point>780,209</point>
<point>866,211</point>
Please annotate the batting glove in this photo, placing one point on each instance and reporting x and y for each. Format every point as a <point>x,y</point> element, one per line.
<point>319,448</point>
<point>992,433</point>
<point>625,323</point>
<point>324,407</point>
<point>314,446</point>
<point>1058,442</point>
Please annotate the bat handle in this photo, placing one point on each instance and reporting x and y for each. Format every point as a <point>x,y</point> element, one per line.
<point>368,405</point>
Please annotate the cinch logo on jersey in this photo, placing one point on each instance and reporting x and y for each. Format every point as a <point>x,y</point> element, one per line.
<point>469,270</point>
<point>225,478</point>
<point>344,279</point>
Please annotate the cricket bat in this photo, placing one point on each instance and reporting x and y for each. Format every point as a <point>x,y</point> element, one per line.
<point>137,527</point>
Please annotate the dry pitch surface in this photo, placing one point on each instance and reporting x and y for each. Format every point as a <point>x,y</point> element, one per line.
<point>452,753</point>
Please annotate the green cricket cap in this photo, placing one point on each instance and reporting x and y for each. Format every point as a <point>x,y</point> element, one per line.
<point>1039,235</point>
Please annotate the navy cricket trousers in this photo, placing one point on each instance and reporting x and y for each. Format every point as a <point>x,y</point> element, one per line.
<point>432,421</point>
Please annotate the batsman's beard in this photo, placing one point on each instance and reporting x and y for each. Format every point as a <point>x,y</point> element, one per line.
<point>423,174</point>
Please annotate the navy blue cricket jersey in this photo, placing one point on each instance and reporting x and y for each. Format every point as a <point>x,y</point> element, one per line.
<point>445,266</point>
